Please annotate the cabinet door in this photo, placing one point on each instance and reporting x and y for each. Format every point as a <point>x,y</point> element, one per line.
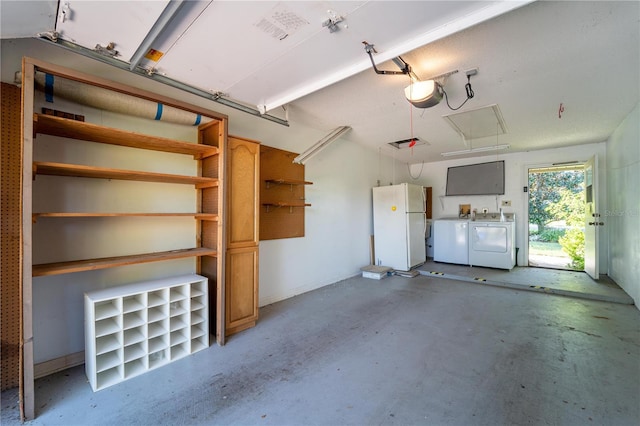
<point>243,197</point>
<point>241,289</point>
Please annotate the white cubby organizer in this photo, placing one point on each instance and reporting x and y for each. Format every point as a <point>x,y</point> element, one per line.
<point>134,328</point>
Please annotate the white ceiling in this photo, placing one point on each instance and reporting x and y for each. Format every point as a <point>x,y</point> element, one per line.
<point>278,56</point>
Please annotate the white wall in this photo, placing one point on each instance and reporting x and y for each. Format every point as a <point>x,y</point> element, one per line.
<point>516,169</point>
<point>621,214</point>
<point>338,224</point>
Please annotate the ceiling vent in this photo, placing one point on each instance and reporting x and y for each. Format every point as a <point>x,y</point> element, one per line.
<point>478,123</point>
<point>280,22</point>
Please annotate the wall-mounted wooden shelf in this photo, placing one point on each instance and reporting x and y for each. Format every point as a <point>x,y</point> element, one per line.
<point>57,126</point>
<point>74,170</point>
<point>285,204</point>
<point>110,262</point>
<point>286,182</point>
<point>282,184</point>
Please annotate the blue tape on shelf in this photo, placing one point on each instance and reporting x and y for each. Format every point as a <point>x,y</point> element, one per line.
<point>48,87</point>
<point>159,111</point>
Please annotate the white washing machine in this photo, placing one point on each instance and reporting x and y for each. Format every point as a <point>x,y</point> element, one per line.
<point>491,242</point>
<point>450,241</point>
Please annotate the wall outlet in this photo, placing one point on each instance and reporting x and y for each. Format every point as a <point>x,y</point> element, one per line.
<point>506,203</point>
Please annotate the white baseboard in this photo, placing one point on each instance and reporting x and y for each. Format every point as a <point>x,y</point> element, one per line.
<point>58,364</point>
<point>264,301</point>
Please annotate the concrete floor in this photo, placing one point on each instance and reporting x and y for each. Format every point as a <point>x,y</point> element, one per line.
<point>406,351</point>
<point>542,280</point>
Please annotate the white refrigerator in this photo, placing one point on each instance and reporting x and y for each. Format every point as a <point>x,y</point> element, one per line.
<point>399,224</point>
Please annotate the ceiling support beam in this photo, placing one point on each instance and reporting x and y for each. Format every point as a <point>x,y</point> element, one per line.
<point>164,80</point>
<point>165,17</point>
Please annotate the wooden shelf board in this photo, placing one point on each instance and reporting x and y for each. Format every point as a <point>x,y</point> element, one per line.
<point>278,204</point>
<point>58,126</point>
<point>111,262</point>
<point>200,216</point>
<point>74,170</point>
<point>289,182</point>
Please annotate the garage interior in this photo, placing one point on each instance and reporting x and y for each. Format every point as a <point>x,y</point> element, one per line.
<point>227,286</point>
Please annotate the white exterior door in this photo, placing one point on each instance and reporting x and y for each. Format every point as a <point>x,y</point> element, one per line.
<point>592,219</point>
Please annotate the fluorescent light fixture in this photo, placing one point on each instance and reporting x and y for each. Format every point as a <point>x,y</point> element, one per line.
<point>424,94</point>
<point>320,145</point>
<point>474,150</point>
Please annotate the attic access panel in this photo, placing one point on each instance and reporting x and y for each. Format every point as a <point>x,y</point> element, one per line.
<point>477,123</point>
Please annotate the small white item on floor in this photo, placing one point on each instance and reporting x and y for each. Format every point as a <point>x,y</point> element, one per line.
<point>409,274</point>
<point>375,272</point>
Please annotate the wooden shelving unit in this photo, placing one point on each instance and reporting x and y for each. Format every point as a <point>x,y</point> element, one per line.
<point>207,300</point>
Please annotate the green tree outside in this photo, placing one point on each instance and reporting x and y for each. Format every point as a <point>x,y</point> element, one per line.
<point>570,208</point>
<point>544,191</point>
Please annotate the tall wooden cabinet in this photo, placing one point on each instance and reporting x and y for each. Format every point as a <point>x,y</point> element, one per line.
<point>208,246</point>
<point>243,222</point>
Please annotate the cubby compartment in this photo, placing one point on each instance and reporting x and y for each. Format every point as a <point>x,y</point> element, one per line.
<point>107,309</point>
<point>178,322</point>
<point>198,289</point>
<point>158,343</point>
<point>133,303</point>
<point>198,316</point>
<point>179,336</point>
<point>108,360</point>
<point>133,319</point>
<point>134,351</point>
<point>157,328</point>
<point>200,343</point>
<point>156,313</point>
<point>197,331</point>
<point>133,328</point>
<point>156,359</point>
<point>108,343</point>
<point>156,298</point>
<point>179,351</point>
<point>133,368</point>
<point>178,293</point>
<point>197,303</point>
<point>107,326</point>
<point>134,335</point>
<point>178,307</point>
<point>108,377</point>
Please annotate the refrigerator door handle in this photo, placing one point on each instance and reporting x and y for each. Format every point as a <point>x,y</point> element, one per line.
<point>424,219</point>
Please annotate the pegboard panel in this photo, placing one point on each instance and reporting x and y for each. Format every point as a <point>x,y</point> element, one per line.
<point>10,182</point>
<point>281,215</point>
